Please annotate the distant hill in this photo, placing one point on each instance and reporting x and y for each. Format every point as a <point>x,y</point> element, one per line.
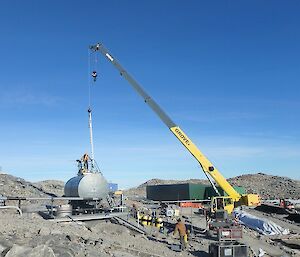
<point>14,186</point>
<point>267,186</point>
<point>156,181</point>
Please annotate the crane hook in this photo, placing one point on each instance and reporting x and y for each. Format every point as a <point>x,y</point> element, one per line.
<point>94,75</point>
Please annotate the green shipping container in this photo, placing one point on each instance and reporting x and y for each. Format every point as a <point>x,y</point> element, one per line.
<point>187,191</point>
<point>176,192</point>
<point>197,191</point>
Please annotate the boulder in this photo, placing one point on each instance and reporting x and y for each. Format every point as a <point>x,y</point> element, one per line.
<point>41,250</point>
<point>18,251</point>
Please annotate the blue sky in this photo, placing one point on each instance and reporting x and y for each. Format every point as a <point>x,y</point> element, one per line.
<point>226,71</point>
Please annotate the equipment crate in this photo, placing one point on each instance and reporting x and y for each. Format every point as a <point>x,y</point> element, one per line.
<point>223,249</point>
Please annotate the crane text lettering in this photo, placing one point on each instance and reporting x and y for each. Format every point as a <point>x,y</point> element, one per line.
<point>182,136</point>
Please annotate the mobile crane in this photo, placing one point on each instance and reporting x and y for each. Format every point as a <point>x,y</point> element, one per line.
<point>227,203</point>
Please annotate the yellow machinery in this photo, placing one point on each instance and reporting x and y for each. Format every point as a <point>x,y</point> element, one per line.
<point>226,203</point>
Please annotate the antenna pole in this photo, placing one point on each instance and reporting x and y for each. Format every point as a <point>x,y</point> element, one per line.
<point>91,137</point>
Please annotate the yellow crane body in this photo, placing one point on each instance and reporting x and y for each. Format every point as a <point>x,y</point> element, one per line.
<point>205,163</point>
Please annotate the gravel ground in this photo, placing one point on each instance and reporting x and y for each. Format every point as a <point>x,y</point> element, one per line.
<point>31,235</point>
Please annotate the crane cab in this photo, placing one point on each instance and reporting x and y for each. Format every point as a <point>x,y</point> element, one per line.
<point>227,203</point>
<point>222,203</point>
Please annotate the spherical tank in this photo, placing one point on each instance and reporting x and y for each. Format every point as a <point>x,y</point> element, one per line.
<point>89,185</point>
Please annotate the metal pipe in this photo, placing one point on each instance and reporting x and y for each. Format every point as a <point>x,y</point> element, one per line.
<point>12,207</point>
<point>87,217</point>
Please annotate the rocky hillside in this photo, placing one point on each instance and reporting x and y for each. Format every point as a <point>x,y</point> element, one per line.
<point>156,181</point>
<point>55,187</point>
<point>267,186</point>
<point>14,186</point>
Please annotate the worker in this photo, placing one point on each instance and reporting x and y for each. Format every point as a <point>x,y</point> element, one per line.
<point>134,211</point>
<point>94,75</point>
<point>180,227</point>
<point>85,159</point>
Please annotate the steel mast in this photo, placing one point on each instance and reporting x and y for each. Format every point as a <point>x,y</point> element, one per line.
<point>91,137</point>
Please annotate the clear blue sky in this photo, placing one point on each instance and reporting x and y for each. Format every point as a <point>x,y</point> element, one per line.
<point>226,71</point>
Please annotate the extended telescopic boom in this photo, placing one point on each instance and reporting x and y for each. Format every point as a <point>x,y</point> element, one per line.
<point>206,165</point>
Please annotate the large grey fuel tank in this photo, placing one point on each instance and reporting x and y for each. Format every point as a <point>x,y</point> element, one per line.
<point>88,185</point>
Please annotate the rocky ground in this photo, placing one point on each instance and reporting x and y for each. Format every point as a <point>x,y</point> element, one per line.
<point>31,235</point>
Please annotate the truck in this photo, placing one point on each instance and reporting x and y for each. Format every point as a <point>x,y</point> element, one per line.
<point>222,203</point>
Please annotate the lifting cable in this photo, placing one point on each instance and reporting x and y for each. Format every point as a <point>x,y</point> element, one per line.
<point>89,79</point>
<point>92,76</point>
<point>92,71</point>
